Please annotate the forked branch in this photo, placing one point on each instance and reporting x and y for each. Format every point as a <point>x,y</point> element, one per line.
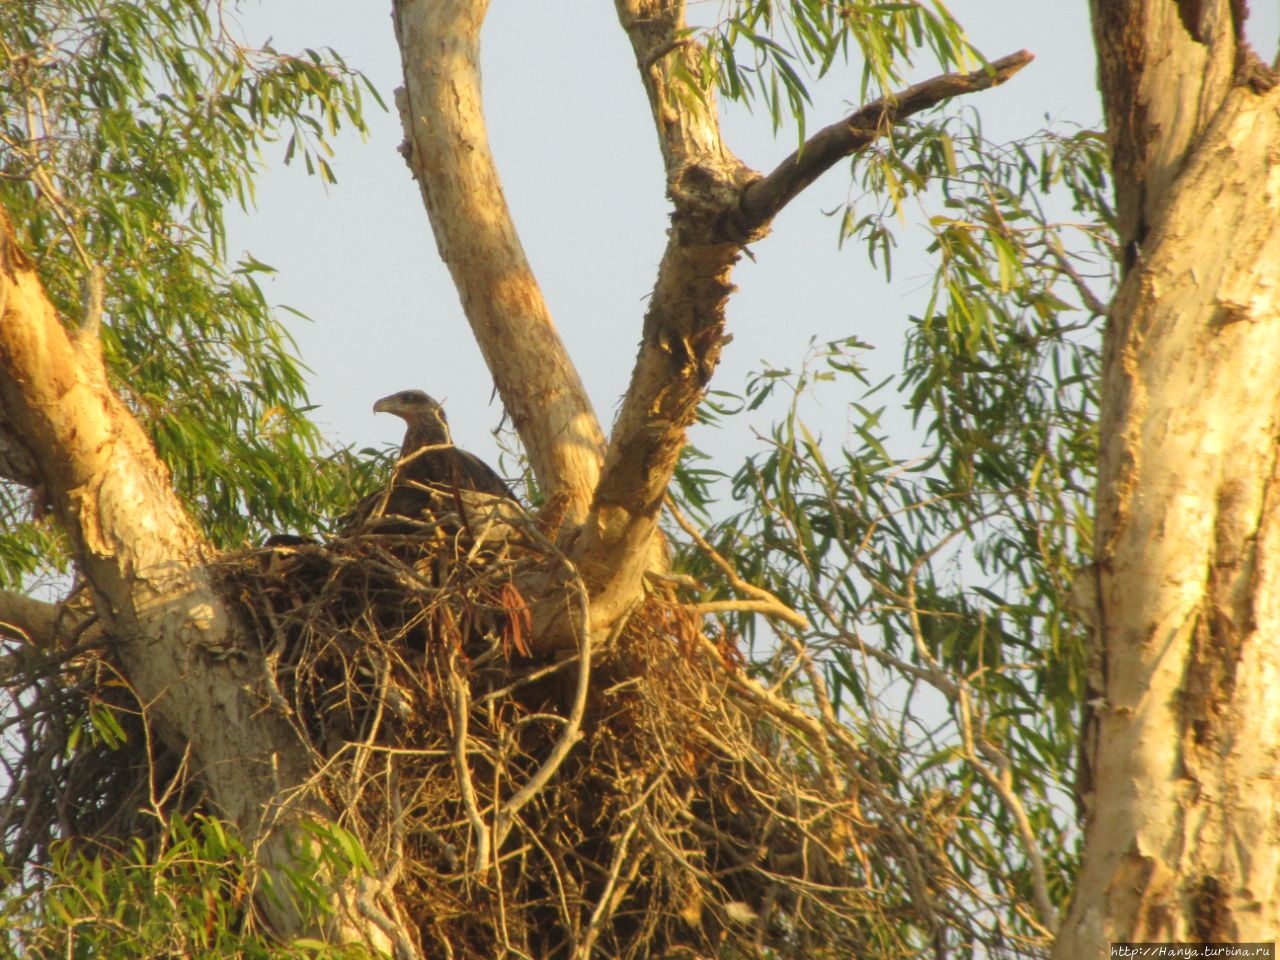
<point>720,206</point>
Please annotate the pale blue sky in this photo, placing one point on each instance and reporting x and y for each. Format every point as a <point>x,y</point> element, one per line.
<point>571,132</point>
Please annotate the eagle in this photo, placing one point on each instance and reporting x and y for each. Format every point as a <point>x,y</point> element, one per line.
<point>432,476</point>
<point>428,454</point>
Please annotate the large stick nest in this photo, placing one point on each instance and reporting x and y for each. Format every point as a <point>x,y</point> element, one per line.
<point>641,795</point>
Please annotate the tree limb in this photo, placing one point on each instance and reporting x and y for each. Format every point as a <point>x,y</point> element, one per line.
<point>765,198</point>
<point>684,324</point>
<point>720,205</point>
<point>37,622</point>
<point>447,149</point>
<point>144,562</point>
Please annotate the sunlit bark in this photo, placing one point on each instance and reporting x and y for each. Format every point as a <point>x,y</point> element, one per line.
<point>205,690</point>
<point>447,148</point>
<point>1181,840</point>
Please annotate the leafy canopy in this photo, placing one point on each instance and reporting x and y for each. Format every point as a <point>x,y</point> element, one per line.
<point>126,128</point>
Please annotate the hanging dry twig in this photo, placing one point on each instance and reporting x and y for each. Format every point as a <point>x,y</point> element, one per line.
<point>762,601</point>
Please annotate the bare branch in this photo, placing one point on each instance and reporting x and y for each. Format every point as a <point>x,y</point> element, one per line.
<point>762,601</point>
<point>1091,301</point>
<point>765,198</point>
<point>37,622</point>
<point>996,768</point>
<point>607,901</point>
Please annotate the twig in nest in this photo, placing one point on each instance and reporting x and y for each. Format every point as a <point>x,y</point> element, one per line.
<point>762,601</point>
<point>573,726</point>
<point>461,711</point>
<point>607,901</point>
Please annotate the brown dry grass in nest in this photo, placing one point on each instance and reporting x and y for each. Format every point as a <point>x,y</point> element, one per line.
<point>688,806</point>
<point>650,799</point>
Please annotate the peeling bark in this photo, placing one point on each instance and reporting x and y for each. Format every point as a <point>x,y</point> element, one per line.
<point>1181,838</point>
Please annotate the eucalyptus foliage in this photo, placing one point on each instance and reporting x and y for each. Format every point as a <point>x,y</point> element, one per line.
<point>186,898</point>
<point>935,569</point>
<point>126,129</point>
<point>766,52</point>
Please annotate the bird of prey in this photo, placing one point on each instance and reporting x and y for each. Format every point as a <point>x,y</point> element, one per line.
<point>432,475</point>
<point>428,453</point>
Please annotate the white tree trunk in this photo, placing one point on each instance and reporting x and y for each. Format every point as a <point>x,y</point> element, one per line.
<point>1182,826</point>
<point>204,688</point>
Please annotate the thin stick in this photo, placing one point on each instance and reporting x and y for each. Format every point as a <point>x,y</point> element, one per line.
<point>762,601</point>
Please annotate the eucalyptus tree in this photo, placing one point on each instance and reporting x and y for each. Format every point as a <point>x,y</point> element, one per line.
<point>151,398</point>
<point>1181,596</point>
<point>832,713</point>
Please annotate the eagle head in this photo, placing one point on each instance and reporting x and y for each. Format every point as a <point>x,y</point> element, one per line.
<point>409,403</point>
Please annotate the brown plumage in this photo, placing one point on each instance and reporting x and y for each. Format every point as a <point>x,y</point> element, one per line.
<point>431,474</point>
<point>428,455</point>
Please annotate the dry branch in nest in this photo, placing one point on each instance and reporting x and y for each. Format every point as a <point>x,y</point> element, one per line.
<point>639,797</point>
